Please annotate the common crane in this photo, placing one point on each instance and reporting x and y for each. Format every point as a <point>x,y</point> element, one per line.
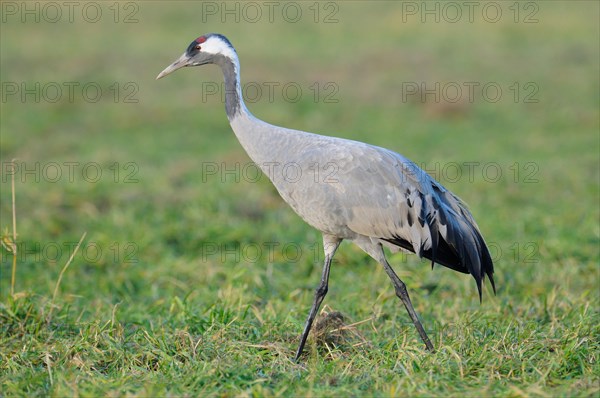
<point>375,198</point>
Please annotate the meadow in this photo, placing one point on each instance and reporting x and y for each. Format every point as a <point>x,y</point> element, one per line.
<point>194,278</point>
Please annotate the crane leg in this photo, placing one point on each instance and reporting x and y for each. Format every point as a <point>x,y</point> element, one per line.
<point>330,245</point>
<point>375,250</point>
<point>402,293</point>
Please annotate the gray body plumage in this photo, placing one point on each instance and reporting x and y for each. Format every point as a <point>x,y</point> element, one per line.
<point>364,193</point>
<point>350,190</point>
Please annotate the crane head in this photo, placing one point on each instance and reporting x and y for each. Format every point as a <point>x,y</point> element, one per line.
<point>206,49</point>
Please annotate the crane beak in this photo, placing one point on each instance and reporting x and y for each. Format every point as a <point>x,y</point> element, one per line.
<point>184,60</point>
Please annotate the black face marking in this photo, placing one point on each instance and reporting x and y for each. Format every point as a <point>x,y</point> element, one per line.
<point>193,49</point>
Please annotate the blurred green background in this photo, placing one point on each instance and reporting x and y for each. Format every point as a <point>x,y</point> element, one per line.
<point>153,216</point>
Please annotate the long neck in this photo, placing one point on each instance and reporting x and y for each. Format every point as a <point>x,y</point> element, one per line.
<point>234,102</point>
<point>256,136</point>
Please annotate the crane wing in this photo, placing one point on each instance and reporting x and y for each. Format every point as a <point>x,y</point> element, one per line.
<point>401,204</point>
<point>380,194</point>
<point>347,188</point>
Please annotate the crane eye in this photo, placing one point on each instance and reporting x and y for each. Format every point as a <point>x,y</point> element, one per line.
<point>198,47</point>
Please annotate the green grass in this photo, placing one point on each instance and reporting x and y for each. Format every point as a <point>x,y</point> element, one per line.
<point>175,291</point>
